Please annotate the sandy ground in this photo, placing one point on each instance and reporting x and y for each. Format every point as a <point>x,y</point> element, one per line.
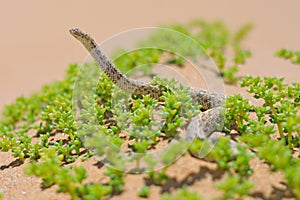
<point>35,49</point>
<point>35,45</point>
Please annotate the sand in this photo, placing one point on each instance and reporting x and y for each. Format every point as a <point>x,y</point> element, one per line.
<point>36,48</point>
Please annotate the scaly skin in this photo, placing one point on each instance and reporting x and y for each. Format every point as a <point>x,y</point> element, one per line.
<point>201,127</point>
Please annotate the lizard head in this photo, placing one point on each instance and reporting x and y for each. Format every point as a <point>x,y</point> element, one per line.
<point>84,38</point>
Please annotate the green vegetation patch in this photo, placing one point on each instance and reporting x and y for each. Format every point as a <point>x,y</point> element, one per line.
<point>45,128</point>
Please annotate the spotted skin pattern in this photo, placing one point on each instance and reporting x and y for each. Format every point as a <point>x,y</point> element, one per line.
<point>201,127</point>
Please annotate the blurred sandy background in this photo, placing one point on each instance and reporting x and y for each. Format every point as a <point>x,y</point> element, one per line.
<point>36,48</point>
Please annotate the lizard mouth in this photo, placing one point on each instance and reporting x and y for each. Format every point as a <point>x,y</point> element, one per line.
<point>76,32</point>
<point>83,37</point>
